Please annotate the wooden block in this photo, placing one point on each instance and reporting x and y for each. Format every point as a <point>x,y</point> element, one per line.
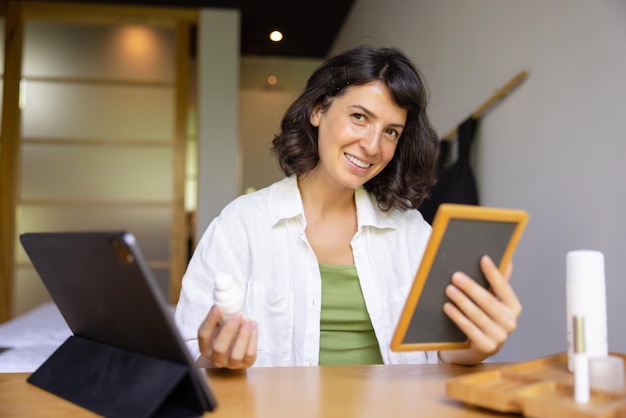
<point>540,388</point>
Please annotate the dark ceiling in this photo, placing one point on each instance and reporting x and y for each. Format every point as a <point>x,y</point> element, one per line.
<point>309,27</point>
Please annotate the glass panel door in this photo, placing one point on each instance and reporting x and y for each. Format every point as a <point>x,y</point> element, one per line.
<point>98,138</point>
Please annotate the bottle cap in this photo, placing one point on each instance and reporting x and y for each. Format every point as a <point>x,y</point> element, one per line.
<point>584,265</point>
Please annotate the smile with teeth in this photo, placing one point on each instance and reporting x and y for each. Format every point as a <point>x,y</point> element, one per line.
<point>357,162</point>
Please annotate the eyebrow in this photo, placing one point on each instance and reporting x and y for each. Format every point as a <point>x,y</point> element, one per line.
<point>370,113</point>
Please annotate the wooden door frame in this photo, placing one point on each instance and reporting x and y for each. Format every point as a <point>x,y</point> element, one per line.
<point>9,150</point>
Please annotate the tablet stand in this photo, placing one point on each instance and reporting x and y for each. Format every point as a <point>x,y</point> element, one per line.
<point>116,382</point>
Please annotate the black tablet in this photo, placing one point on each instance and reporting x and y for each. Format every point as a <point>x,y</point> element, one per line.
<point>126,356</point>
<point>461,235</point>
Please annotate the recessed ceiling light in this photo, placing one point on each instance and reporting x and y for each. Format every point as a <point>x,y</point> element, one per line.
<point>271,80</point>
<point>276,36</point>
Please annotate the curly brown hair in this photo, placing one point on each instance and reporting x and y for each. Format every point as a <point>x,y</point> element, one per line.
<point>406,181</point>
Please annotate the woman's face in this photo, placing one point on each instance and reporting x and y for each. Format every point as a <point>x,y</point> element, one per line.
<point>358,134</point>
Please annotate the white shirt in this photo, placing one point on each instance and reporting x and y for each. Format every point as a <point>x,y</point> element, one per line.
<point>259,239</point>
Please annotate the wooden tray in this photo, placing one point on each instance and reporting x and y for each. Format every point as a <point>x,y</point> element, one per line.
<point>541,388</point>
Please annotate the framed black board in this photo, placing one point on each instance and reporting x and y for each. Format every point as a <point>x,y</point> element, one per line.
<point>461,235</point>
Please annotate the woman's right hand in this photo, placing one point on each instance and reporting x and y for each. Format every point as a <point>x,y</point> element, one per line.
<point>232,344</point>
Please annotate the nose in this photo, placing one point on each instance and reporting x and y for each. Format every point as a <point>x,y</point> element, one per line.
<point>371,141</point>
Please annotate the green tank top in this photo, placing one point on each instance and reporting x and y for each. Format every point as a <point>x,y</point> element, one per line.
<point>346,332</point>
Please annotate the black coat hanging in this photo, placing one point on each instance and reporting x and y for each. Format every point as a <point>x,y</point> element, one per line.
<point>456,182</point>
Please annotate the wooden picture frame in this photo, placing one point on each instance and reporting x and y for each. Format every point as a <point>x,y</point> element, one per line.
<point>461,235</point>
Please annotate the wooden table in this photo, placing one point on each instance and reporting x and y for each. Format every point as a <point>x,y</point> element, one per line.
<point>292,392</point>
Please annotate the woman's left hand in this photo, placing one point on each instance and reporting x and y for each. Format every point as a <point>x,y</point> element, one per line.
<point>486,316</point>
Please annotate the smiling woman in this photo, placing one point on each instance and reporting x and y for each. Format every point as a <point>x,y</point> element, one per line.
<point>327,255</point>
<point>359,132</point>
<point>389,82</point>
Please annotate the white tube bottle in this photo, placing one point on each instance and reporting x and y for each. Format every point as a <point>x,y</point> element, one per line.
<point>586,298</point>
<point>229,296</point>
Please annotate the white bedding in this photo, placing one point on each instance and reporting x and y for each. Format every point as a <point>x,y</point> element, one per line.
<point>31,338</point>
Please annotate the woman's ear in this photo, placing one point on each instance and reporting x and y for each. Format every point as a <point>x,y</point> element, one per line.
<point>316,114</point>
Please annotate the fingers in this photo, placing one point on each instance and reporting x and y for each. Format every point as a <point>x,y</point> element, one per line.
<point>206,331</point>
<point>485,342</point>
<point>500,304</point>
<point>485,331</point>
<point>243,351</point>
<point>222,340</point>
<point>500,283</point>
<point>486,317</point>
<point>232,344</point>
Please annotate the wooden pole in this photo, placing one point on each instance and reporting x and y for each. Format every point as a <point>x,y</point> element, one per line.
<point>10,151</point>
<point>493,99</point>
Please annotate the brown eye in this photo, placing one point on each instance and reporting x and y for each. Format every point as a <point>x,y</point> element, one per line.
<point>393,134</point>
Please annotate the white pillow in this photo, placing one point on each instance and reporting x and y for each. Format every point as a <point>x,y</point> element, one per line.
<point>31,338</point>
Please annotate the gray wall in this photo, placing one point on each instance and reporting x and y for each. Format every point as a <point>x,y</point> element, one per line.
<point>219,170</point>
<point>554,147</point>
<point>239,113</point>
<point>261,109</point>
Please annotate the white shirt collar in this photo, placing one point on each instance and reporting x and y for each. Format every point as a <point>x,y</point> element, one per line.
<point>285,202</point>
